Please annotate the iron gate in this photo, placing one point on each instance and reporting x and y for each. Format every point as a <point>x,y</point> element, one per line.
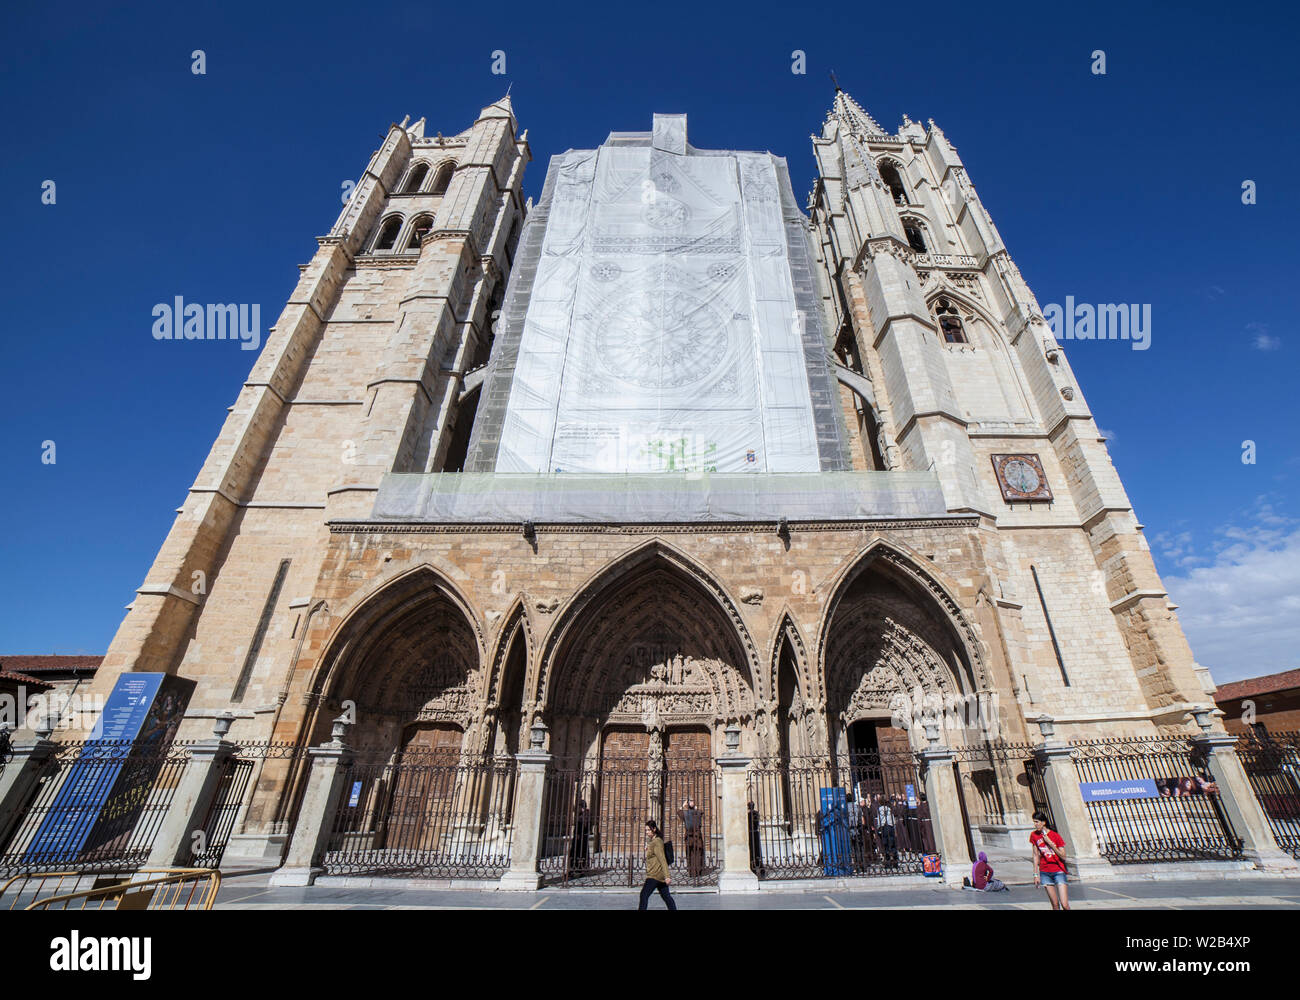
<point>864,814</point>
<point>1183,821</point>
<point>1272,763</point>
<point>207,852</point>
<point>426,813</point>
<point>593,828</point>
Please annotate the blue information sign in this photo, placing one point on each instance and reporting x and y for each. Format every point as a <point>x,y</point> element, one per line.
<point>834,832</point>
<point>1111,791</point>
<point>105,787</point>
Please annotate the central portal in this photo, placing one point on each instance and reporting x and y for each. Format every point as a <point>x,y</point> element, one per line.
<point>647,679</point>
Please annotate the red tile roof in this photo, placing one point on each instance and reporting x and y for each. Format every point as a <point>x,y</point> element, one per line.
<point>1252,686</point>
<point>38,664</point>
<point>13,677</point>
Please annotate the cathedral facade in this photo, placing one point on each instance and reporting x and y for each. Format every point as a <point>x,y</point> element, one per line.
<point>660,456</point>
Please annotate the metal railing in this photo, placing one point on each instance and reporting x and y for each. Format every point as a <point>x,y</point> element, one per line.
<point>861,814</point>
<point>96,806</point>
<point>1178,815</point>
<point>593,826</point>
<point>1272,763</point>
<point>423,814</point>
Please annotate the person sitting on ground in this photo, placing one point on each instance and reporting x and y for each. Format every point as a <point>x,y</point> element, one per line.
<point>981,876</point>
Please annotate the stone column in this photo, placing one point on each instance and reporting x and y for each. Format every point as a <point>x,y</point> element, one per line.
<point>325,786</point>
<point>1061,781</point>
<point>529,815</point>
<point>174,843</point>
<point>18,778</point>
<point>736,875</point>
<point>945,812</point>
<point>1242,806</point>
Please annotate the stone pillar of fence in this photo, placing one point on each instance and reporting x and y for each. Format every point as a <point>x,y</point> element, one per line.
<point>200,783</point>
<point>1061,782</point>
<point>946,822</point>
<point>1238,798</point>
<point>735,874</point>
<point>320,802</point>
<point>529,814</point>
<point>18,778</point>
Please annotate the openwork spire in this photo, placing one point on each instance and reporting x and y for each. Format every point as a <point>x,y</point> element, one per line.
<point>853,115</point>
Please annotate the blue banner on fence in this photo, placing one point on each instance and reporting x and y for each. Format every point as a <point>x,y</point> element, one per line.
<point>834,832</point>
<point>1110,791</point>
<point>96,795</point>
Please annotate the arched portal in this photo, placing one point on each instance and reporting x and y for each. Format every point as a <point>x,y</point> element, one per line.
<point>652,655</point>
<point>892,656</point>
<point>649,667</point>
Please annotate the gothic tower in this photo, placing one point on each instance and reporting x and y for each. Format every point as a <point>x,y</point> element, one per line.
<point>953,369</point>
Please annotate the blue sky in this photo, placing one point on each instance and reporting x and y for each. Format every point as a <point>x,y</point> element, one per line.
<point>1117,188</point>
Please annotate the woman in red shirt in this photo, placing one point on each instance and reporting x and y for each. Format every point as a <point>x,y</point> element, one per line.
<point>1049,861</point>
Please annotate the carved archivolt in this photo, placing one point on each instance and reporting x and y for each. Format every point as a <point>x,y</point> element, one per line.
<point>652,651</point>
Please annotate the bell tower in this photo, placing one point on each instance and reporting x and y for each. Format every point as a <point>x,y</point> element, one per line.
<point>954,370</point>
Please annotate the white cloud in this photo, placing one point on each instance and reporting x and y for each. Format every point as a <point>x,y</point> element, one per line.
<point>1263,340</point>
<point>1241,613</point>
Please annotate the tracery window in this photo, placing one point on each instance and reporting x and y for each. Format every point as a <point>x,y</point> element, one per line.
<point>950,325</point>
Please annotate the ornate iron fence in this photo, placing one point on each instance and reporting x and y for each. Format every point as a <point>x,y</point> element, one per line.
<point>593,827</point>
<point>426,813</point>
<point>864,814</point>
<point>1174,813</point>
<point>1272,763</point>
<point>96,806</point>
<point>998,779</point>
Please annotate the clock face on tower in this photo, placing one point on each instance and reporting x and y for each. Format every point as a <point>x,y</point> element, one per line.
<point>1021,477</point>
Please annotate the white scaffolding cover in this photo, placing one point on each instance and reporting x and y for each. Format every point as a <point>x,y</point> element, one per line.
<point>662,332</point>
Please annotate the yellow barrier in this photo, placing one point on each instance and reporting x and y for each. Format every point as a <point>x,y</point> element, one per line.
<point>146,889</point>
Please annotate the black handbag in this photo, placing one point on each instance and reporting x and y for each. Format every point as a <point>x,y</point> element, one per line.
<point>668,851</point>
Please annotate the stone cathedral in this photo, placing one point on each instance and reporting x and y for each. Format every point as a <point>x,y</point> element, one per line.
<point>661,455</point>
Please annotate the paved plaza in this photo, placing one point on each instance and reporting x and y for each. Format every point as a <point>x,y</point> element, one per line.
<point>1250,891</point>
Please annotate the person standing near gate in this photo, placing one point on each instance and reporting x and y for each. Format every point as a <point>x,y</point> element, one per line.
<point>656,867</point>
<point>578,850</point>
<point>693,823</point>
<point>885,830</point>
<point>755,843</point>
<point>1049,861</point>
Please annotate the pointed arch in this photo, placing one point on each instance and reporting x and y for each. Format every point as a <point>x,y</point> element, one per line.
<point>652,554</point>
<point>998,345</point>
<point>402,601</point>
<point>924,584</point>
<point>787,630</point>
<point>515,623</point>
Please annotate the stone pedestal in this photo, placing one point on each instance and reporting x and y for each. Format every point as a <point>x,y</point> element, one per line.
<point>1240,803</point>
<point>325,786</point>
<point>175,843</point>
<point>735,875</point>
<point>17,781</point>
<point>946,814</point>
<point>525,845</point>
<point>1061,781</point>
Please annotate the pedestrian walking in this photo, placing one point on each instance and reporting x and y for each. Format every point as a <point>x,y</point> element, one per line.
<point>1049,861</point>
<point>656,867</point>
<point>885,830</point>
